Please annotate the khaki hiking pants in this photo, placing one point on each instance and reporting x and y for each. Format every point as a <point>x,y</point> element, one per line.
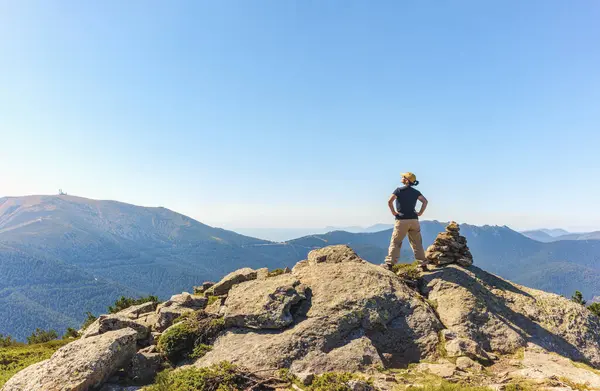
<point>412,228</point>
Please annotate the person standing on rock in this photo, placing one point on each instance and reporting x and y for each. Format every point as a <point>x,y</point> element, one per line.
<point>407,220</point>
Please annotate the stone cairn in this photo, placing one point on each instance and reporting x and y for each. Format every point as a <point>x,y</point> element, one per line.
<point>450,247</point>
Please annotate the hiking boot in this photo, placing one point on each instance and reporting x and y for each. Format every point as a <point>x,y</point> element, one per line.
<point>386,266</point>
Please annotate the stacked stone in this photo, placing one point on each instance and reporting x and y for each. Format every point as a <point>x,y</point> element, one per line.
<point>450,247</point>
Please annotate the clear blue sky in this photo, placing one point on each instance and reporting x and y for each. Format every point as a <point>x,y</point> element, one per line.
<point>303,113</point>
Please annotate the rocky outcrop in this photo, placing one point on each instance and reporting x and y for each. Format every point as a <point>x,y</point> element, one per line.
<point>335,312</point>
<point>176,306</point>
<point>113,322</point>
<point>450,247</point>
<point>264,304</point>
<point>137,311</point>
<point>347,314</point>
<point>78,366</point>
<point>236,277</point>
<point>502,317</point>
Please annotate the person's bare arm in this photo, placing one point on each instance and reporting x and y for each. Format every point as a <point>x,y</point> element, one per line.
<point>424,203</point>
<point>391,204</point>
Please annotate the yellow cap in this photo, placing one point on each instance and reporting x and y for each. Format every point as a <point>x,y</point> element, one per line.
<point>410,176</point>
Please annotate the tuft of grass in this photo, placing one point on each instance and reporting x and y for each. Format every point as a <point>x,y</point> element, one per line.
<point>447,386</point>
<point>222,377</point>
<point>573,385</point>
<point>408,271</point>
<point>16,357</point>
<point>285,374</point>
<point>126,302</point>
<point>521,386</point>
<point>180,341</point>
<point>519,354</point>
<point>90,318</point>
<point>335,381</point>
<point>212,299</point>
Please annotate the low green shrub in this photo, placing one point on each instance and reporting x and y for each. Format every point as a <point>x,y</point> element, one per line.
<point>409,271</point>
<point>200,350</point>
<point>222,377</point>
<point>198,328</point>
<point>41,336</point>
<point>126,302</point>
<point>519,387</point>
<point>90,318</point>
<point>335,381</point>
<point>178,341</point>
<point>70,333</point>
<point>447,386</point>
<point>7,341</point>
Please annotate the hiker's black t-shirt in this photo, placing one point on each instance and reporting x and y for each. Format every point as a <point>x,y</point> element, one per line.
<point>406,201</point>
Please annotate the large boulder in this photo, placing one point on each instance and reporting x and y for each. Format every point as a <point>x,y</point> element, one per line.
<point>333,254</point>
<point>106,323</point>
<point>79,366</point>
<point>233,278</point>
<point>503,317</point>
<point>135,311</point>
<point>347,314</point>
<point>247,305</point>
<point>176,306</point>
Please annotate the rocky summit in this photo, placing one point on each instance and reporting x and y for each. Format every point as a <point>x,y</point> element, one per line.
<point>335,312</point>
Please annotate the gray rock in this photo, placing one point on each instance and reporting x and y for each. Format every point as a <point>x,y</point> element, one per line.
<point>143,367</point>
<point>233,278</point>
<point>351,307</point>
<point>502,317</point>
<point>467,364</point>
<point>359,385</point>
<point>186,300</point>
<point>135,311</point>
<point>198,290</point>
<point>333,254</point>
<point>444,370</point>
<point>263,304</point>
<point>113,322</point>
<point>79,366</point>
<point>465,347</point>
<point>117,387</point>
<point>540,365</point>
<point>176,306</point>
<point>465,262</point>
<point>356,355</point>
<point>167,315</point>
<point>305,378</point>
<point>262,273</point>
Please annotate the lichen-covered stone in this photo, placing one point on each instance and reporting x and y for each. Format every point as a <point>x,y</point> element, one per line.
<point>502,317</point>
<point>233,278</point>
<point>79,366</point>
<point>113,322</point>
<point>349,305</point>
